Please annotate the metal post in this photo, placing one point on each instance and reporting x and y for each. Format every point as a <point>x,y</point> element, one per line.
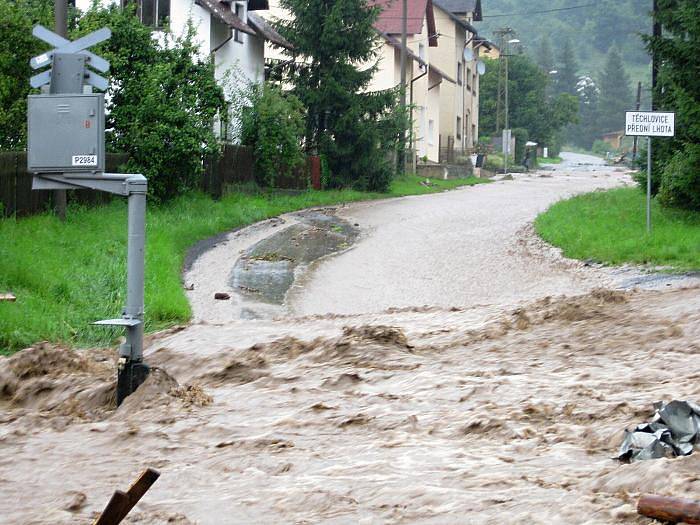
<point>507,135</point>
<point>638,105</point>
<point>404,51</point>
<point>132,370</point>
<point>648,184</point>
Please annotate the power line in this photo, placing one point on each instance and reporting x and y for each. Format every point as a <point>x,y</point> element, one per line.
<point>543,11</point>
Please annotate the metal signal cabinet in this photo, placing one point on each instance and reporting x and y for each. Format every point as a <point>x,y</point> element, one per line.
<point>66,133</point>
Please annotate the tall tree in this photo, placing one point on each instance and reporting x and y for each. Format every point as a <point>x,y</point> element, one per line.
<point>17,46</point>
<point>567,76</point>
<point>677,51</point>
<point>587,130</point>
<point>531,109</point>
<point>545,57</point>
<point>615,93</point>
<point>354,130</point>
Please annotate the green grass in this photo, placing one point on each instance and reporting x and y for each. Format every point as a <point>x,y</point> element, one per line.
<point>66,275</point>
<point>549,160</point>
<point>610,227</point>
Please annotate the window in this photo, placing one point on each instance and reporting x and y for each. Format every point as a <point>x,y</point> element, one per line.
<point>459,73</point>
<point>469,77</point>
<point>474,80</point>
<point>154,13</point>
<point>431,131</point>
<point>421,52</point>
<point>459,128</point>
<point>240,13</point>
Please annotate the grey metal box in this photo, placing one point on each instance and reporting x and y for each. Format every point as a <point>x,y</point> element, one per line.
<point>66,133</point>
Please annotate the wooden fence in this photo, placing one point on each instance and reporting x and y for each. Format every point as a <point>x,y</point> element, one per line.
<point>18,198</point>
<point>235,165</point>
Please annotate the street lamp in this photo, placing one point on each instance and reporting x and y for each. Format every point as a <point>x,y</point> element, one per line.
<point>506,135</point>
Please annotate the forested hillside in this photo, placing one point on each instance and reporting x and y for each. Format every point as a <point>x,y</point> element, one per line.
<point>590,49</point>
<point>593,29</point>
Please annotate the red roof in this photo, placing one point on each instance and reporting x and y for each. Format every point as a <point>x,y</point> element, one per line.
<point>418,11</point>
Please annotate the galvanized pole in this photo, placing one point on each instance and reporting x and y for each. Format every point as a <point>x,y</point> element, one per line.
<point>135,264</point>
<point>132,370</point>
<point>61,28</point>
<point>648,184</point>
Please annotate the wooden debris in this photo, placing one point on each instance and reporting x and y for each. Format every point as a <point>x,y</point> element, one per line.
<point>7,297</point>
<point>122,502</point>
<point>672,510</point>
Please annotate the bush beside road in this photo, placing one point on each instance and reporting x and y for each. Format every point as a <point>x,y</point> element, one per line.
<point>67,275</point>
<point>610,227</point>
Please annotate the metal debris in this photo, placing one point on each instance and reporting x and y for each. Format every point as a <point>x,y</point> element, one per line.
<point>672,432</point>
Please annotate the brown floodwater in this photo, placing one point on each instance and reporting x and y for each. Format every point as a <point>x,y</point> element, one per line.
<point>503,408</point>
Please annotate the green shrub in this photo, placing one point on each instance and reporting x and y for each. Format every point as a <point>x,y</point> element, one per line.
<point>600,147</point>
<point>680,179</point>
<point>272,123</point>
<point>162,101</point>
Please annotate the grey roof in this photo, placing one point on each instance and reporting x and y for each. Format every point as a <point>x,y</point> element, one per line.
<point>261,25</point>
<point>466,25</point>
<point>223,12</point>
<point>394,42</point>
<point>461,7</point>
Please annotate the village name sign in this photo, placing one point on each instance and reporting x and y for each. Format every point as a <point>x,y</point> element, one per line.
<point>649,124</point>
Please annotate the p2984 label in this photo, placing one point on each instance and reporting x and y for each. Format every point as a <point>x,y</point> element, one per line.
<point>84,160</point>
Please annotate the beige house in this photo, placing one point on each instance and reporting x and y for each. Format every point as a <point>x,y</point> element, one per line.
<point>425,80</point>
<point>442,86</point>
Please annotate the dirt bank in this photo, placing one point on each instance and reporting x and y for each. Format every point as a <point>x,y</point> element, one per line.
<point>424,415</point>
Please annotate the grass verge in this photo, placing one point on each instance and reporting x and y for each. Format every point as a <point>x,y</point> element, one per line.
<point>549,160</point>
<point>610,227</point>
<point>66,275</point>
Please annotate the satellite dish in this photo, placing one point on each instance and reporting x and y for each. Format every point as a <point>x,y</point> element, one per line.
<point>480,67</point>
<point>468,54</point>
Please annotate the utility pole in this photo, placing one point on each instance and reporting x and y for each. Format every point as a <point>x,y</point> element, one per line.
<point>656,33</point>
<point>503,35</point>
<point>61,29</point>
<point>404,34</point>
<point>506,134</point>
<point>637,106</point>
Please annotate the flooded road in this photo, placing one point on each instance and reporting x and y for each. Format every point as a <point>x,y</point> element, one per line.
<point>464,390</point>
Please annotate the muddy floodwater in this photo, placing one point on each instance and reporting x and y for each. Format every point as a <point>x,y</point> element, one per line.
<point>471,403</point>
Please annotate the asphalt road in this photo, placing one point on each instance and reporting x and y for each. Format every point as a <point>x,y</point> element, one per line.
<point>459,248</point>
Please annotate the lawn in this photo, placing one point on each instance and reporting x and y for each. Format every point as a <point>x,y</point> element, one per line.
<point>66,275</point>
<point>549,160</point>
<point>610,227</point>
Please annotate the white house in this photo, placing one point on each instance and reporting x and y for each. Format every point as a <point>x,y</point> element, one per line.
<point>230,31</point>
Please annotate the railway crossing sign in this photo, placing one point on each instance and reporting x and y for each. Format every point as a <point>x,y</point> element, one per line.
<point>74,52</point>
<point>66,150</point>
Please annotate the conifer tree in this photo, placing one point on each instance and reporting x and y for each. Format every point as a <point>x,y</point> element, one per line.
<point>545,58</point>
<point>615,94</point>
<point>353,130</point>
<point>567,76</point>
